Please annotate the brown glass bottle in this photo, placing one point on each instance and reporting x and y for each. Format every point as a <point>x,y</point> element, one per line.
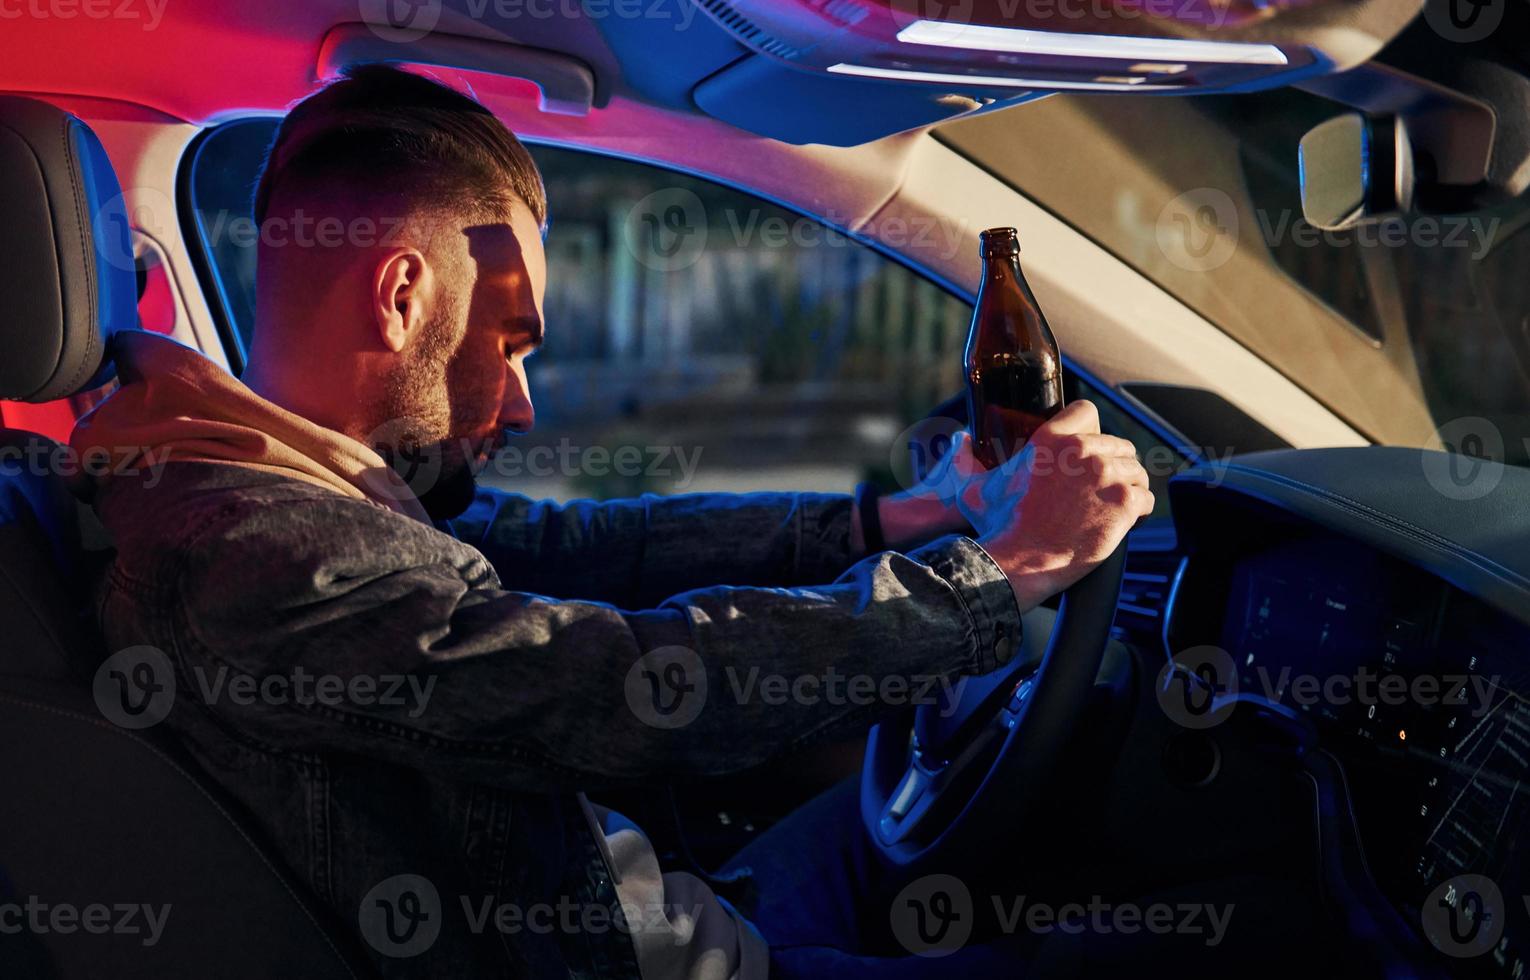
<point>1014,370</point>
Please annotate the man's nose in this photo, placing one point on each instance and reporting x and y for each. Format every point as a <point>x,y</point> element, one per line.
<point>516,413</point>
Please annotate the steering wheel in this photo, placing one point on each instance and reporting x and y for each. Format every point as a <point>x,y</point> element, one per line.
<point>960,773</point>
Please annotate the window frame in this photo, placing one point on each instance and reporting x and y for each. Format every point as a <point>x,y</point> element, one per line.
<point>197,245</point>
<point>228,333</point>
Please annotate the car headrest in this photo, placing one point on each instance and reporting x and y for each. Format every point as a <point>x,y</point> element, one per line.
<point>66,263</point>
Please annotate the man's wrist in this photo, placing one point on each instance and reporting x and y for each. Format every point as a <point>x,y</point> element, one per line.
<point>1032,588</point>
<point>1033,577</point>
<point>912,519</point>
<point>869,538</point>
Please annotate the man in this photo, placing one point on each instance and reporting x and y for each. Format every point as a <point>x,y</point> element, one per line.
<point>277,544</point>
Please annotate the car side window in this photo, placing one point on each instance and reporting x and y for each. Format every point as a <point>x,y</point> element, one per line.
<point>698,338</point>
<point>753,344</point>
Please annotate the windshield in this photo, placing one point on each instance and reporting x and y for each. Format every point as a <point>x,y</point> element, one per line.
<point>1416,332</point>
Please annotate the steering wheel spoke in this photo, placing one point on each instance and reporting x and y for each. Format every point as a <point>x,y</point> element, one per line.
<point>926,780</point>
<point>955,774</point>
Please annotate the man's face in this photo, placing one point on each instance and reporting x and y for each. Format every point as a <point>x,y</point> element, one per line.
<point>486,378</point>
<point>491,280</point>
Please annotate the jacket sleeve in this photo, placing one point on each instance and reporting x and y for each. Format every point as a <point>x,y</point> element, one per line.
<point>637,552</point>
<point>429,662</point>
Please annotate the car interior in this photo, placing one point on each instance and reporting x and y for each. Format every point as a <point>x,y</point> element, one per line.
<point>1276,244</point>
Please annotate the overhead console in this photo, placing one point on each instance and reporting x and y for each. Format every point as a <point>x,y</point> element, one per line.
<point>844,72</point>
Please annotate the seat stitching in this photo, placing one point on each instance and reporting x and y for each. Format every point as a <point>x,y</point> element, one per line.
<point>58,259</point>
<point>92,336</point>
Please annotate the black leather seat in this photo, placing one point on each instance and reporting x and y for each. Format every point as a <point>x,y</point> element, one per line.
<point>97,820</point>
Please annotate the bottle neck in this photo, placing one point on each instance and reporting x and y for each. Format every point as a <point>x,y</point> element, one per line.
<point>997,265</point>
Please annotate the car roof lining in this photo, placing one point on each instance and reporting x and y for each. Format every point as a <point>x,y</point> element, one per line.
<point>275,49</point>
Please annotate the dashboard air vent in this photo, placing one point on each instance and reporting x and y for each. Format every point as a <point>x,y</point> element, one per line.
<point>1152,562</point>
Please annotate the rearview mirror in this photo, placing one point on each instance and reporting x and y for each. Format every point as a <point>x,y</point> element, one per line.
<point>1356,170</point>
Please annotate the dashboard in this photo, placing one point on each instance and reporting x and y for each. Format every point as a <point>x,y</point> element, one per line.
<point>1410,669</point>
<point>1420,691</point>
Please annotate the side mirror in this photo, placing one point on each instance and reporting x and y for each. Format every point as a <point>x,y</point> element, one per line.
<point>1356,170</point>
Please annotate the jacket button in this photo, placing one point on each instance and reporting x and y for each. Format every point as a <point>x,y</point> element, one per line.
<point>1003,648</point>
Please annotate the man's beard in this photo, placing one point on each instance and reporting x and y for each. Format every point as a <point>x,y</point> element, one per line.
<point>438,475</point>
<point>451,494</point>
<point>438,469</point>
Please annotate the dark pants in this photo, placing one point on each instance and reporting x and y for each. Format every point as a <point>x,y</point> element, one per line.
<point>820,900</point>
<point>825,904</point>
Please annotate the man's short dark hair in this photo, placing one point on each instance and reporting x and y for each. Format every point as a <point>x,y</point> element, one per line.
<point>381,130</point>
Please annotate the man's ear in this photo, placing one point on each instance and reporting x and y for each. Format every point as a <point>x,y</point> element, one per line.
<point>402,291</point>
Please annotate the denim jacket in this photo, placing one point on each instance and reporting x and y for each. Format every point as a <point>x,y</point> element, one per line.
<point>389,699</point>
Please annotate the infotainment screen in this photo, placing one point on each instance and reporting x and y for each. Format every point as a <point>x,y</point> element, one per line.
<point>1316,625</point>
<point>1424,694</point>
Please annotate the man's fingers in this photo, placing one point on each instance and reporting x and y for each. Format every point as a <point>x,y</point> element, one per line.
<point>1121,447</point>
<point>1121,469</point>
<point>1098,444</point>
<point>1136,500</point>
<point>1075,418</point>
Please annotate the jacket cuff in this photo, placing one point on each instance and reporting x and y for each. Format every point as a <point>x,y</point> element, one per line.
<point>984,592</point>
<point>823,536</point>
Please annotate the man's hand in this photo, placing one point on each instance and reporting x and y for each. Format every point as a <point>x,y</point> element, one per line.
<point>1051,514</point>
<point>1047,516</point>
